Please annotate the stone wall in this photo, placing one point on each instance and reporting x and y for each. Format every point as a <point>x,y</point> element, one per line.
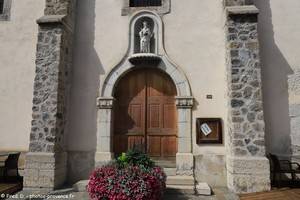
<point>62,7</point>
<point>294,109</point>
<point>49,101</point>
<point>247,167</point>
<point>211,168</point>
<point>80,165</point>
<point>245,87</point>
<point>46,162</point>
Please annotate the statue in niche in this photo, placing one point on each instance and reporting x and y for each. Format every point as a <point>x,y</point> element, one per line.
<point>145,38</point>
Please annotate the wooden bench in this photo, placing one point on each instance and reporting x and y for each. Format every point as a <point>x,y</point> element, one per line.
<point>283,167</point>
<point>9,169</point>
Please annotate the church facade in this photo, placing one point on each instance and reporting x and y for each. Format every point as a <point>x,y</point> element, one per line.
<point>207,88</point>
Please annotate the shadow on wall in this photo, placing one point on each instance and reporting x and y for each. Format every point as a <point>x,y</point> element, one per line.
<point>87,68</point>
<point>275,72</point>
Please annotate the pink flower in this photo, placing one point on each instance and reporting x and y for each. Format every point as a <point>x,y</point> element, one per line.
<point>131,182</point>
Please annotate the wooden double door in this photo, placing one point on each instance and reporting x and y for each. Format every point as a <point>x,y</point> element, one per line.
<point>145,114</point>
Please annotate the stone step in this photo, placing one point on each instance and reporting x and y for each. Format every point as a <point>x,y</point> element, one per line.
<point>80,186</point>
<point>166,163</point>
<point>170,171</point>
<point>180,180</point>
<point>203,189</point>
<point>180,189</point>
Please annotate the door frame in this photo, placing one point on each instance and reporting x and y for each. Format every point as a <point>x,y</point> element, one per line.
<point>184,100</point>
<point>184,103</point>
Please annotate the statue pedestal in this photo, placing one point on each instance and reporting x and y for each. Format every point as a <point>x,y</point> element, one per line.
<point>142,58</point>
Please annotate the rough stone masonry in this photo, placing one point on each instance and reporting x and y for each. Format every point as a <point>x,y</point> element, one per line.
<point>247,166</point>
<point>294,110</point>
<point>46,162</point>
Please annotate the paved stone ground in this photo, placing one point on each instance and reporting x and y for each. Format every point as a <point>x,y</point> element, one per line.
<point>219,194</point>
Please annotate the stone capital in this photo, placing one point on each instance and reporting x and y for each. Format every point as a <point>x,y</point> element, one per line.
<point>242,10</point>
<point>184,102</point>
<point>105,102</point>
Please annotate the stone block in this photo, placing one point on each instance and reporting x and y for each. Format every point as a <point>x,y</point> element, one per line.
<point>211,169</point>
<point>180,180</point>
<point>248,165</point>
<point>184,129</point>
<point>177,76</point>
<point>104,115</point>
<point>45,170</point>
<point>50,19</point>
<point>104,144</point>
<point>47,165</point>
<point>203,189</point>
<point>103,157</point>
<point>104,129</point>
<point>185,164</point>
<point>180,189</point>
<point>184,115</point>
<point>248,174</point>
<point>240,183</point>
<point>184,145</point>
<point>294,109</point>
<point>46,182</point>
<point>80,165</point>
<point>81,186</point>
<point>40,157</point>
<point>170,171</point>
<point>236,10</point>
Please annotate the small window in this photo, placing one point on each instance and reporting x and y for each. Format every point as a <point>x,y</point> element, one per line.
<point>1,6</point>
<point>5,6</point>
<point>132,6</point>
<point>144,3</point>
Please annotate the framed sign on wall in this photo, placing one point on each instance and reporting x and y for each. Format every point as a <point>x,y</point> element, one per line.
<point>209,130</point>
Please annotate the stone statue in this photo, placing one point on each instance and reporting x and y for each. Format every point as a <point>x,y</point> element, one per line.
<point>145,38</point>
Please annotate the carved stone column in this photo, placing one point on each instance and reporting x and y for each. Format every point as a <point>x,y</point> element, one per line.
<point>248,169</point>
<point>184,157</point>
<point>46,162</point>
<point>104,130</point>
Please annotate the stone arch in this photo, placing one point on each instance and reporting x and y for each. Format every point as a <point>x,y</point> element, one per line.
<point>179,79</point>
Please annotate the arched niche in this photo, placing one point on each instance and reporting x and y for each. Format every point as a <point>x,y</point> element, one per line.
<point>138,26</point>
<point>156,27</point>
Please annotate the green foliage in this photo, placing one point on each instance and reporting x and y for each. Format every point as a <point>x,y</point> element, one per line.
<point>135,157</point>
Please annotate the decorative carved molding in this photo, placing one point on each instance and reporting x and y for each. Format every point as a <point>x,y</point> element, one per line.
<point>184,102</point>
<point>105,102</point>
<point>242,10</point>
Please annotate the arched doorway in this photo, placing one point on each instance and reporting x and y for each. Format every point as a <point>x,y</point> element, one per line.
<point>145,114</point>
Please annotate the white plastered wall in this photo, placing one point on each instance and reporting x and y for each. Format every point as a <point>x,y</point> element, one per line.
<point>194,40</point>
<point>279,31</point>
<point>18,38</point>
